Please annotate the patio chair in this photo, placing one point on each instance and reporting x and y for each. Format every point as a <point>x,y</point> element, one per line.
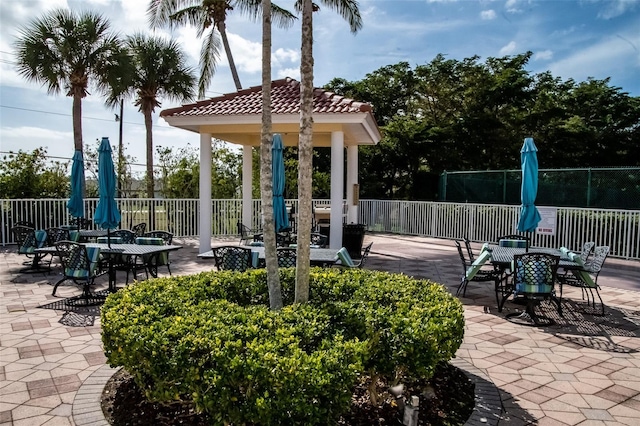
<point>347,262</point>
<point>124,263</point>
<point>472,272</point>
<point>248,235</point>
<point>78,223</point>
<point>587,278</point>
<point>82,266</point>
<point>234,258</point>
<point>286,257</point>
<point>152,262</point>
<point>284,239</point>
<point>26,223</point>
<point>139,229</point>
<point>467,244</point>
<point>587,248</point>
<point>534,275</point>
<point>124,236</point>
<point>319,240</point>
<point>29,240</point>
<point>514,240</point>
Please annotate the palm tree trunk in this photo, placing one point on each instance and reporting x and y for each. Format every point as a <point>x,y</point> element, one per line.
<point>305,154</point>
<point>148,124</point>
<point>76,112</point>
<point>266,168</point>
<point>222,29</point>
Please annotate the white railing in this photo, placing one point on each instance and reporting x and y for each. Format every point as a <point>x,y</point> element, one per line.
<point>619,229</point>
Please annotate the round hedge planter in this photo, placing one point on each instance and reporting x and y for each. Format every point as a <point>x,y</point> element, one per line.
<point>211,338</point>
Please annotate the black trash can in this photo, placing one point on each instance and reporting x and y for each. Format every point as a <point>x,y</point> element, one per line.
<point>352,239</point>
<point>325,229</point>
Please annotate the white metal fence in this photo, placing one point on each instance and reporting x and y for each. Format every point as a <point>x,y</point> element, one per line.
<point>619,229</point>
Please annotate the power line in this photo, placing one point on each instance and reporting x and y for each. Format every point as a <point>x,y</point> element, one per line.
<point>49,157</point>
<point>66,115</point>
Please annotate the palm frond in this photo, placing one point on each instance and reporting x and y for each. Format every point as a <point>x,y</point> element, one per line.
<point>209,57</point>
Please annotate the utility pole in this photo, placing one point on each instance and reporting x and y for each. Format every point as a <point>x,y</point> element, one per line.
<point>120,118</point>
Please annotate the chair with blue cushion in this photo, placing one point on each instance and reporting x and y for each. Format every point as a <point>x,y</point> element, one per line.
<point>139,229</point>
<point>81,265</point>
<point>153,261</point>
<point>286,257</point>
<point>534,276</point>
<point>586,277</point>
<point>29,240</point>
<point>319,240</point>
<point>234,258</point>
<point>345,260</point>
<point>248,235</point>
<point>514,240</point>
<point>477,271</point>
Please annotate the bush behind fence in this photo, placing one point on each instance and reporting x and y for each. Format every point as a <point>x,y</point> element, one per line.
<point>607,188</point>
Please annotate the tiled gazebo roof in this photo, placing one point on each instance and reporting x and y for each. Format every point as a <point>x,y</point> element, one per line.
<point>236,117</point>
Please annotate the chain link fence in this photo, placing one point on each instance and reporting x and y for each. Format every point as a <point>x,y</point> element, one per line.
<point>609,188</point>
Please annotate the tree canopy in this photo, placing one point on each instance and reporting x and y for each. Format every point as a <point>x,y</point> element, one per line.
<point>469,115</point>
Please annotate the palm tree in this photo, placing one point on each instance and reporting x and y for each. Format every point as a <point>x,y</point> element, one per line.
<point>266,164</point>
<point>348,9</point>
<point>65,50</point>
<point>159,71</point>
<point>203,14</point>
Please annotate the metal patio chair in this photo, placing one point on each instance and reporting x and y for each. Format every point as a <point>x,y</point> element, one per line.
<point>82,266</point>
<point>233,258</point>
<point>534,276</point>
<point>472,271</point>
<point>587,278</point>
<point>286,257</point>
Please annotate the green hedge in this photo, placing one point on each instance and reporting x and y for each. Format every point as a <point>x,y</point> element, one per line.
<point>210,338</point>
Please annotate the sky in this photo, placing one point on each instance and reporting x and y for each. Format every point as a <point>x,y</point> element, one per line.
<point>574,39</point>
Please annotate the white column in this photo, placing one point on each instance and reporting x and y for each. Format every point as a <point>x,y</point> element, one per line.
<point>337,189</point>
<point>205,192</point>
<point>247,193</point>
<point>352,180</point>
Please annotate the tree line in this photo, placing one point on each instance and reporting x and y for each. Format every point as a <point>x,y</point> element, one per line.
<point>456,115</point>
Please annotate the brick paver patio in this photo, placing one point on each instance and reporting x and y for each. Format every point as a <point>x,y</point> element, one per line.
<point>585,370</point>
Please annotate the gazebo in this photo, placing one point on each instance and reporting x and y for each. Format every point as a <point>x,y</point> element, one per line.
<point>338,123</point>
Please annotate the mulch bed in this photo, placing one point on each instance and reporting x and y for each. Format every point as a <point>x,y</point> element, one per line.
<point>446,399</point>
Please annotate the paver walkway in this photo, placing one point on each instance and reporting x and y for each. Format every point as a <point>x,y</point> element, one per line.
<point>584,370</point>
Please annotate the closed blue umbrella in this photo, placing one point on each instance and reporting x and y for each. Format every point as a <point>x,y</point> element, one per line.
<point>107,215</point>
<point>76,201</point>
<point>529,215</point>
<point>280,217</point>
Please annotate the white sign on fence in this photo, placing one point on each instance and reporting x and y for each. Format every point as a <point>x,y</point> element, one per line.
<point>547,224</point>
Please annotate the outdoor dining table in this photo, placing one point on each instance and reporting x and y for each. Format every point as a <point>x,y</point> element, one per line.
<point>317,256</point>
<point>502,258</point>
<point>113,250</point>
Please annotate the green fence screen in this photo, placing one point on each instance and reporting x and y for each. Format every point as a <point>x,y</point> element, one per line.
<point>609,188</point>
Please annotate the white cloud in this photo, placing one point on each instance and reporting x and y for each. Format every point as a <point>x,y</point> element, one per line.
<point>289,72</point>
<point>508,49</point>
<point>488,15</point>
<point>246,54</point>
<point>544,55</point>
<point>614,8</point>
<point>512,6</point>
<point>13,137</point>
<point>595,61</point>
<point>286,55</point>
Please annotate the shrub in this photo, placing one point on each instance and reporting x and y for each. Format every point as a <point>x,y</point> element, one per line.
<point>210,338</point>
